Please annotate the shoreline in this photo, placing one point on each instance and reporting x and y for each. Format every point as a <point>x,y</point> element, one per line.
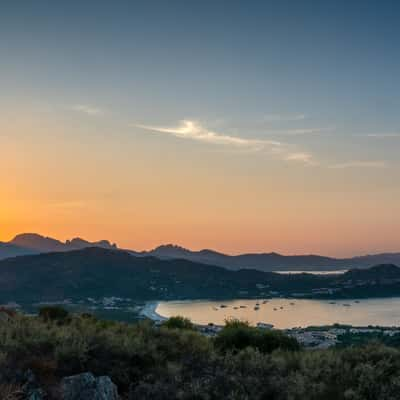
<point>149,311</point>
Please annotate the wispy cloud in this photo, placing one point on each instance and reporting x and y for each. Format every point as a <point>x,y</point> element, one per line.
<point>384,135</point>
<point>301,131</point>
<point>283,117</point>
<point>360,164</point>
<point>87,109</point>
<point>188,129</point>
<point>306,158</point>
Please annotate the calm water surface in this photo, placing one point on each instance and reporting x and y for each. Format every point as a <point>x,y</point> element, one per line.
<point>332,272</point>
<point>289,313</point>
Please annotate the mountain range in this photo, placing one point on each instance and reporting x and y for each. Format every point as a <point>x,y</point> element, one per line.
<point>32,243</point>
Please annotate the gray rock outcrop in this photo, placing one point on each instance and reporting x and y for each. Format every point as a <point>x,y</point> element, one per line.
<point>86,387</point>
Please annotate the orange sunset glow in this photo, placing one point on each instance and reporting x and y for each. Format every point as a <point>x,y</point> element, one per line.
<point>120,159</point>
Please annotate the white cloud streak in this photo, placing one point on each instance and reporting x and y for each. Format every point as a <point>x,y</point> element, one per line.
<point>360,164</point>
<point>283,117</point>
<point>188,129</point>
<point>296,132</point>
<point>87,109</point>
<point>306,158</point>
<point>193,130</point>
<point>384,135</point>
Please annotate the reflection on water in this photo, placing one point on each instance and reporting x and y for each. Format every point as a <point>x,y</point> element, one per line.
<point>289,313</point>
<point>332,272</point>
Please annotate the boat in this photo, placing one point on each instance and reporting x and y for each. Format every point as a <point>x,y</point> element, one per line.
<point>223,306</point>
<point>265,301</point>
<point>346,305</point>
<point>275,309</point>
<point>281,308</point>
<point>243,306</point>
<point>235,308</point>
<point>257,308</point>
<point>292,304</point>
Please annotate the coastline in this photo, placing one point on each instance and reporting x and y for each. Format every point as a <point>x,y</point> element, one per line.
<point>149,311</point>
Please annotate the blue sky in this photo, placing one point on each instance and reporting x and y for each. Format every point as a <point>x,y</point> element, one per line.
<point>310,86</point>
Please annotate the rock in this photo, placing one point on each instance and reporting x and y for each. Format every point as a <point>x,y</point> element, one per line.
<point>31,387</point>
<point>29,384</point>
<point>86,387</point>
<point>36,394</point>
<point>106,388</point>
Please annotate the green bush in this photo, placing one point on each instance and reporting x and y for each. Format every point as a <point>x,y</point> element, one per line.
<point>242,362</point>
<point>53,313</point>
<point>178,322</point>
<point>238,335</point>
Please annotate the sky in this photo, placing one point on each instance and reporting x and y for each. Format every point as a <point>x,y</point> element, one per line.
<point>241,126</point>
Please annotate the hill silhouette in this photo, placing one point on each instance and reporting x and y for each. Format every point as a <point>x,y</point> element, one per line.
<point>97,272</point>
<point>32,243</point>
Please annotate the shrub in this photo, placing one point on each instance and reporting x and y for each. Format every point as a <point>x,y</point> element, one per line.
<point>178,322</point>
<point>181,364</point>
<point>237,335</point>
<point>53,313</point>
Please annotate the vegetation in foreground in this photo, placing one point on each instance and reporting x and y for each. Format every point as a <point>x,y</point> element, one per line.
<point>175,362</point>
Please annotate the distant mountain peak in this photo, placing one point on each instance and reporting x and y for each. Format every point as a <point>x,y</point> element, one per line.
<point>170,250</point>
<point>31,236</point>
<point>38,242</point>
<point>81,243</point>
<point>34,241</point>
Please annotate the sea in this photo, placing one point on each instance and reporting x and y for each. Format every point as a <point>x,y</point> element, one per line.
<point>287,313</point>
